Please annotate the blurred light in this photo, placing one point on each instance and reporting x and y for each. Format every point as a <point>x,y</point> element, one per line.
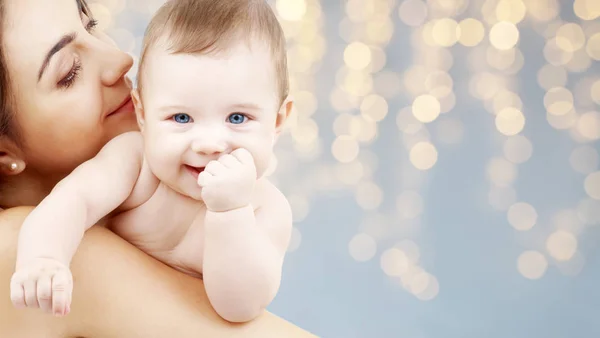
<point>394,262</point>
<point>380,31</point>
<point>387,83</point>
<point>517,149</point>
<point>357,55</point>
<point>419,282</point>
<point>362,247</point>
<point>409,204</point>
<point>423,155</point>
<point>562,122</point>
<point>501,172</point>
<point>426,108</point>
<point>592,185</point>
<point>556,56</point>
<point>532,264</point>
<point>558,101</point>
<point>567,219</point>
<point>510,10</point>
<point>501,198</point>
<point>410,249</point>
<point>445,32</point>
<point>344,148</point>
<point>450,130</point>
<point>588,211</point>
<point>359,11</point>
<point>510,121</point>
<point>439,84</point>
<point>500,59</point>
<point>504,35</point>
<point>295,240</point>
<point>412,12</point>
<point>593,47</point>
<point>506,99</point>
<point>570,37</point>
<point>379,59</point>
<point>305,132</point>
<point>542,10</point>
<point>579,62</point>
<point>589,125</point>
<point>561,245</point>
<point>306,102</point>
<point>471,31</point>
<point>374,107</point>
<point>102,14</point>
<point>522,216</point>
<point>300,207</point>
<point>447,103</point>
<point>595,92</point>
<point>431,290</point>
<point>407,122</point>
<point>342,101</point>
<point>586,9</point>
<point>350,173</point>
<point>485,85</point>
<point>550,76</point>
<point>368,195</point>
<point>584,159</point>
<point>291,10</point>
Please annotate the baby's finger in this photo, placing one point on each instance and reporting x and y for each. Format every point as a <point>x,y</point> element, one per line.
<point>61,289</point>
<point>44,293</point>
<point>229,161</point>
<point>30,287</point>
<point>243,156</point>
<point>204,178</point>
<point>17,293</point>
<point>214,168</point>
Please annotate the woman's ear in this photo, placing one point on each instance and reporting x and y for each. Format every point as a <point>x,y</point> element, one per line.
<point>139,108</point>
<point>282,115</point>
<point>11,158</point>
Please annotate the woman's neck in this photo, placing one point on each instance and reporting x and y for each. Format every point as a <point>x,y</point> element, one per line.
<point>25,189</point>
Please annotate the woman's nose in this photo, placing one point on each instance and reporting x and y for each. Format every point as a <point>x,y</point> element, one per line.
<point>117,64</point>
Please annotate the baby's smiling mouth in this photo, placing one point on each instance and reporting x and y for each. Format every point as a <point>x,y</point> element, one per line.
<point>195,171</point>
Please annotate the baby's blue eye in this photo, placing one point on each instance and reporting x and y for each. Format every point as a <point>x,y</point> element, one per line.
<point>182,118</point>
<point>236,118</point>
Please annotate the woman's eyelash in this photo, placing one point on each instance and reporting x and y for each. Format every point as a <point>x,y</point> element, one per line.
<point>91,25</point>
<point>68,80</point>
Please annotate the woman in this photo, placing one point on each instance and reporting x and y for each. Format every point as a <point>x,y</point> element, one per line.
<point>63,95</point>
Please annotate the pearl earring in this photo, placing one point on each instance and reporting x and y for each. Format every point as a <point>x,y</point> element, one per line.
<point>13,166</point>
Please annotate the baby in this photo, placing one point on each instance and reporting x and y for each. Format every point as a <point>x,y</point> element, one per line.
<point>189,190</point>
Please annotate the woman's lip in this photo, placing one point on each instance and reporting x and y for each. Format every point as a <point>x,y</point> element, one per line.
<point>126,106</point>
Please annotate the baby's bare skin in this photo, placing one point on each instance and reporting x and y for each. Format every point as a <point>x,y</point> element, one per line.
<point>189,189</point>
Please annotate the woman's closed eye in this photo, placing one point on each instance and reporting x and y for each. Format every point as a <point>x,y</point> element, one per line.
<point>68,80</point>
<point>237,118</point>
<point>181,118</point>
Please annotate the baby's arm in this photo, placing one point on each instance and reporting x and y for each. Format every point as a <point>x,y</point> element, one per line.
<point>243,247</point>
<point>52,232</point>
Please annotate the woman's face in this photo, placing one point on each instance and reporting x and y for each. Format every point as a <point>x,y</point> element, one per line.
<point>69,84</point>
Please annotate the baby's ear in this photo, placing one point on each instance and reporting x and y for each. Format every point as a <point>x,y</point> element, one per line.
<point>139,108</point>
<point>284,112</point>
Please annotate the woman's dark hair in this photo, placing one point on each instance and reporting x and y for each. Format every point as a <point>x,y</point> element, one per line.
<point>8,126</point>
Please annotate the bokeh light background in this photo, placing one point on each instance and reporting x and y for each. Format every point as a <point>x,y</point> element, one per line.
<point>442,165</point>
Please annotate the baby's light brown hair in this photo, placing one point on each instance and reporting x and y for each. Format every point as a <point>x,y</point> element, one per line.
<point>205,27</point>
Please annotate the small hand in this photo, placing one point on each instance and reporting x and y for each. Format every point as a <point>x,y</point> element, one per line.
<point>43,283</point>
<point>228,183</point>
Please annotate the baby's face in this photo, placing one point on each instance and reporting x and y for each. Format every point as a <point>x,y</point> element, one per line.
<point>197,108</point>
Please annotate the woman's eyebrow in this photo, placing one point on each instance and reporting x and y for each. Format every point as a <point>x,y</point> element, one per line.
<point>64,41</point>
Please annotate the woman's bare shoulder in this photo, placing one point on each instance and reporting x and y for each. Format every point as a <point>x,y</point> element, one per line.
<point>121,292</point>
